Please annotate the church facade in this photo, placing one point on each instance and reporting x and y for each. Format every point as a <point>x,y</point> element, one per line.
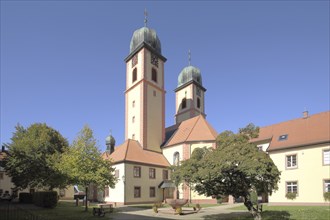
<point>142,162</point>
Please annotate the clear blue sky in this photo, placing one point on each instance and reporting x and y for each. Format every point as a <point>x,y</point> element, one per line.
<point>62,62</point>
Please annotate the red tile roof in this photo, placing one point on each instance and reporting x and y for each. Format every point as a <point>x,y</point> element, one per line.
<point>194,129</point>
<point>132,151</point>
<point>300,132</point>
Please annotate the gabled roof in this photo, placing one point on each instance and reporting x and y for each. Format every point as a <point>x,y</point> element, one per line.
<point>300,132</point>
<point>132,151</point>
<point>194,129</point>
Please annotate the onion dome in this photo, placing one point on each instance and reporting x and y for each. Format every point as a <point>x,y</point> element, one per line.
<point>146,35</point>
<point>110,140</point>
<point>188,74</point>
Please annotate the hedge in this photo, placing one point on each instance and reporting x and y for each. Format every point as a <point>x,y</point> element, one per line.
<point>25,197</point>
<point>45,199</point>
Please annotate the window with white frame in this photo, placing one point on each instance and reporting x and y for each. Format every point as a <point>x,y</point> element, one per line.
<point>326,157</point>
<point>152,173</point>
<point>326,185</point>
<point>291,161</point>
<point>137,171</point>
<point>117,173</point>
<point>176,158</point>
<point>292,187</point>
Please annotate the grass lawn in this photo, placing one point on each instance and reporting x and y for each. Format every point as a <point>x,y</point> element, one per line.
<point>291,212</point>
<point>66,210</point>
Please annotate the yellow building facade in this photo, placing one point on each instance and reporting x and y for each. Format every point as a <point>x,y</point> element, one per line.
<point>300,148</point>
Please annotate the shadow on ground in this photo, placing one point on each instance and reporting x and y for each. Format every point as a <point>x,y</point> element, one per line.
<point>127,216</point>
<point>266,215</point>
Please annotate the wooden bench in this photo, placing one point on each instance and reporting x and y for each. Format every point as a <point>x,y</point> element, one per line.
<point>102,209</point>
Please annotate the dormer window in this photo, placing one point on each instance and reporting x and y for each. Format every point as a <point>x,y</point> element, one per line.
<point>283,137</point>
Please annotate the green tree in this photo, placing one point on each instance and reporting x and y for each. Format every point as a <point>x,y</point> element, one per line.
<point>30,157</point>
<point>236,167</point>
<point>83,164</point>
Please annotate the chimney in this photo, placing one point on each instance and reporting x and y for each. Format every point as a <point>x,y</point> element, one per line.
<point>305,114</point>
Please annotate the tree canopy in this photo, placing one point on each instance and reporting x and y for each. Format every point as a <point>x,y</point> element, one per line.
<point>83,164</point>
<point>236,167</point>
<point>30,157</point>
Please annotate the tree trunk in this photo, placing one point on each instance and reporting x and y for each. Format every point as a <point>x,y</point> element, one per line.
<point>86,202</point>
<point>255,212</point>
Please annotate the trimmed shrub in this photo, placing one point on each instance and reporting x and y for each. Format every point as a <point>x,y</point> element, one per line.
<point>326,196</point>
<point>25,197</point>
<point>45,199</point>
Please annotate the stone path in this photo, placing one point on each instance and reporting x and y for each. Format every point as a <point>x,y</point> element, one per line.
<point>209,213</point>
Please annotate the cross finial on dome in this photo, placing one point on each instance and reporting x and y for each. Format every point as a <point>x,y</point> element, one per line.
<point>189,57</point>
<point>145,17</point>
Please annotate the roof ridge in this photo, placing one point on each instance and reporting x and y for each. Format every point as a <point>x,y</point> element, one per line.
<point>211,129</point>
<point>296,119</point>
<point>127,145</point>
<point>198,117</point>
<point>176,130</point>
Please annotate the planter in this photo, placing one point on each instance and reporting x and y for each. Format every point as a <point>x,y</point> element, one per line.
<point>176,203</point>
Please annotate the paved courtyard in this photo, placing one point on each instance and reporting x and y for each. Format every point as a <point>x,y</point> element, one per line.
<point>209,213</point>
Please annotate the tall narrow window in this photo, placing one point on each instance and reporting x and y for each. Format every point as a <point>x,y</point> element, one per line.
<point>133,119</point>
<point>117,173</point>
<point>198,103</point>
<point>176,158</point>
<point>152,192</point>
<point>184,103</point>
<point>152,173</point>
<point>137,171</point>
<point>326,157</point>
<point>326,185</point>
<point>165,174</point>
<point>137,192</point>
<point>133,136</point>
<point>134,75</point>
<point>154,75</point>
<point>291,161</point>
<point>133,104</point>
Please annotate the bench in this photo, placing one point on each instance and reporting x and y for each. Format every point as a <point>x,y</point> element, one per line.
<point>102,209</point>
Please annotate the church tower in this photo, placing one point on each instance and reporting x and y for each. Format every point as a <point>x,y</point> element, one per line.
<point>145,94</point>
<point>190,99</point>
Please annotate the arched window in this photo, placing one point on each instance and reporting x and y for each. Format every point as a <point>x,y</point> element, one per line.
<point>133,136</point>
<point>133,119</point>
<point>176,158</point>
<point>133,104</point>
<point>198,103</point>
<point>134,75</point>
<point>184,103</point>
<point>154,75</point>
